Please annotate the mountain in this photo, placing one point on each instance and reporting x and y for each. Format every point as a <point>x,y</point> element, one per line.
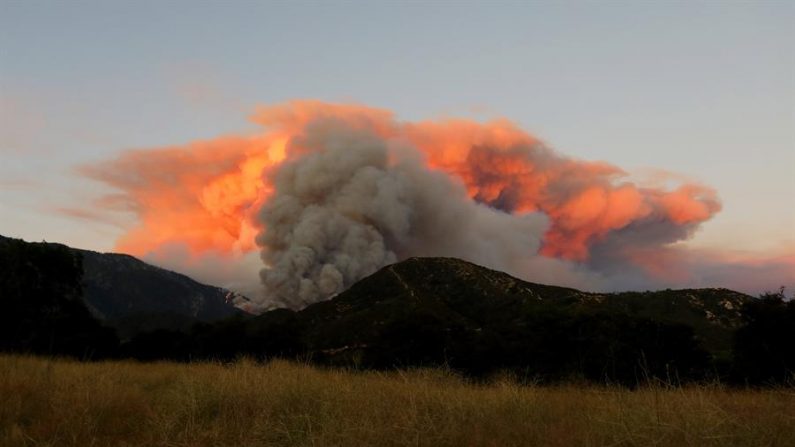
<point>130,295</point>
<point>443,311</point>
<point>127,293</point>
<point>479,296</point>
<point>418,312</point>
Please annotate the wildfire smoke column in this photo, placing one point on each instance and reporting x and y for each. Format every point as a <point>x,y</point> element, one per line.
<point>329,193</point>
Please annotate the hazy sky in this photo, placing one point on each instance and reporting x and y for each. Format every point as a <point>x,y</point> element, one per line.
<point>703,89</point>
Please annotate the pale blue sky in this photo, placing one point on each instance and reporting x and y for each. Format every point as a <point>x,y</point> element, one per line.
<point>705,89</point>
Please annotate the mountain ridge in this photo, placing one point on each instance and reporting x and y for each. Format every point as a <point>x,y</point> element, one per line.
<point>131,295</point>
<point>417,312</point>
<point>464,291</point>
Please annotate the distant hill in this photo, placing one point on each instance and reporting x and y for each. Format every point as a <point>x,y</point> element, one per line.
<point>476,297</point>
<point>469,302</point>
<point>133,296</point>
<point>443,311</point>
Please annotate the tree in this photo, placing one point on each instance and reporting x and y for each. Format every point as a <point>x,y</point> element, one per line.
<point>764,348</point>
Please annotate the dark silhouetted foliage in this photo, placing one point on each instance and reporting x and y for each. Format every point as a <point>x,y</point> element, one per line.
<point>42,309</point>
<point>549,344</point>
<point>764,349</point>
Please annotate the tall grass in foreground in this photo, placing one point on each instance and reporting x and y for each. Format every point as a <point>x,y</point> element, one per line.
<point>59,402</point>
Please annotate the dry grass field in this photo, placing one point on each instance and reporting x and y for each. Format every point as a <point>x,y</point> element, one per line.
<point>67,403</point>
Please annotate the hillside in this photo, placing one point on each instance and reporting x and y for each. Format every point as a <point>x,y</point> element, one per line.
<point>460,292</point>
<point>119,290</point>
<point>443,311</point>
<point>132,295</point>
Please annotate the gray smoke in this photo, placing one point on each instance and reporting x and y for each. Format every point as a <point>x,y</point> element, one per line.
<point>349,202</point>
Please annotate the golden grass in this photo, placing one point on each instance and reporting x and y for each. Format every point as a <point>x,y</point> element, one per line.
<point>60,402</point>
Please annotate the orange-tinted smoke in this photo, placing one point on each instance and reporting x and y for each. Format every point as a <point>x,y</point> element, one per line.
<point>200,196</point>
<point>203,195</point>
<point>585,201</point>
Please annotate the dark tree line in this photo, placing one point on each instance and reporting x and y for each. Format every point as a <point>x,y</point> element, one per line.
<point>552,345</point>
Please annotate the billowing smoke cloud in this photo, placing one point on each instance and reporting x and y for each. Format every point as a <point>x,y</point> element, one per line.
<point>353,202</point>
<point>587,202</point>
<point>336,215</point>
<point>330,193</point>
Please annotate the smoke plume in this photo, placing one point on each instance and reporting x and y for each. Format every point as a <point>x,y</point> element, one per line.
<point>330,193</point>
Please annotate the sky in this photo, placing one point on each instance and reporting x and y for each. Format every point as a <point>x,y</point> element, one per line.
<point>705,90</point>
